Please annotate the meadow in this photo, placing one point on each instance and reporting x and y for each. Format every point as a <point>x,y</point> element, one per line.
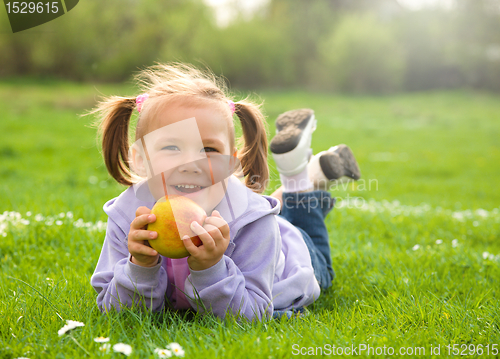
<point>415,243</point>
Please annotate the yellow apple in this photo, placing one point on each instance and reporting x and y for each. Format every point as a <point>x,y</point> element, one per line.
<point>174,215</point>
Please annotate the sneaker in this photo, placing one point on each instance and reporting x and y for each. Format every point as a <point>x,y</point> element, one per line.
<point>291,146</point>
<point>336,164</point>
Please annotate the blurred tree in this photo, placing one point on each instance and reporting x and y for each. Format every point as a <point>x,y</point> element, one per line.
<point>361,55</point>
<point>477,29</point>
<point>108,42</point>
<point>252,54</point>
<point>311,26</point>
<point>362,45</point>
<point>452,48</point>
<point>430,49</point>
<point>305,23</point>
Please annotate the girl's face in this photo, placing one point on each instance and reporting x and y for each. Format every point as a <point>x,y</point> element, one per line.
<point>188,153</point>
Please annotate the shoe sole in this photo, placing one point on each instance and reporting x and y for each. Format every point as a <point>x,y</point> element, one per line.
<point>290,127</point>
<point>338,162</point>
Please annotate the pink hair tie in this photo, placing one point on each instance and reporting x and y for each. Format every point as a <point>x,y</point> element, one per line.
<point>232,107</point>
<point>139,100</point>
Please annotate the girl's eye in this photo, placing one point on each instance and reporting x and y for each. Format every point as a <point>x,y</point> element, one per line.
<point>171,148</point>
<point>209,149</point>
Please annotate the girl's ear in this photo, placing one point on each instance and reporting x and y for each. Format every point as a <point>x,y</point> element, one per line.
<point>139,160</point>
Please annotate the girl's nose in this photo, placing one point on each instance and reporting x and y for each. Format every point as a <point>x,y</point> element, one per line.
<point>191,166</point>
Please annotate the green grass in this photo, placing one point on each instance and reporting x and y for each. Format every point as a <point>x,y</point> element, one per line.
<point>409,253</point>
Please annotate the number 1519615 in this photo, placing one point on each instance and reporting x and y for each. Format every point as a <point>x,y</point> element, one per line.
<point>23,7</point>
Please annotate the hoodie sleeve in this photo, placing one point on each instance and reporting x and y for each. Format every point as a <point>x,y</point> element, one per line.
<point>240,284</point>
<point>119,282</point>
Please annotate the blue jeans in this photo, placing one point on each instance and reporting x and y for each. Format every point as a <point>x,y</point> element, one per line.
<point>307,212</point>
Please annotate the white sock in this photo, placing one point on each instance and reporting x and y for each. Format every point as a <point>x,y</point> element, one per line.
<point>296,183</point>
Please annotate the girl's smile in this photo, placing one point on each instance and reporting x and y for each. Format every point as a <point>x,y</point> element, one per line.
<point>188,188</point>
<point>196,193</point>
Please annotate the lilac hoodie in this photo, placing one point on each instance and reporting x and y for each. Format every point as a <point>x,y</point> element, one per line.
<point>266,266</point>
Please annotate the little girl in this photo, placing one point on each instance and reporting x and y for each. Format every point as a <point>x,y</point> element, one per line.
<point>253,262</point>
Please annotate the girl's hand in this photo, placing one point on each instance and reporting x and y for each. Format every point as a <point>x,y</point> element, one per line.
<point>138,246</point>
<point>215,237</point>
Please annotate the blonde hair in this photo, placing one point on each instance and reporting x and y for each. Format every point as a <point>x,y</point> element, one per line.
<point>170,82</point>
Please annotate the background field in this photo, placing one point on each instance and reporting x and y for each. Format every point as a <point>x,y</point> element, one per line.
<point>416,256</point>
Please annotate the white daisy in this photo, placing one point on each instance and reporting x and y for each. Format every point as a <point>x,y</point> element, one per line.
<point>454,243</point>
<point>485,255</point>
<point>70,324</point>
<point>123,348</point>
<point>163,353</point>
<point>176,349</point>
<point>101,340</point>
<point>439,241</point>
<point>416,247</point>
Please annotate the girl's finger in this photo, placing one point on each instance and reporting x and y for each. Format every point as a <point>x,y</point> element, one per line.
<point>139,248</point>
<point>143,235</point>
<point>220,223</point>
<point>214,231</point>
<point>205,237</point>
<point>142,210</point>
<point>142,220</point>
<point>190,246</point>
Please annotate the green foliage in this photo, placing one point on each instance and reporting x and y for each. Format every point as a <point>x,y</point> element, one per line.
<point>108,42</point>
<point>361,55</point>
<point>433,53</point>
<point>419,272</point>
<point>372,46</point>
<point>252,54</point>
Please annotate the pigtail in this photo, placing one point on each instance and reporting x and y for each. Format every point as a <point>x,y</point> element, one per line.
<point>253,153</point>
<point>113,128</point>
